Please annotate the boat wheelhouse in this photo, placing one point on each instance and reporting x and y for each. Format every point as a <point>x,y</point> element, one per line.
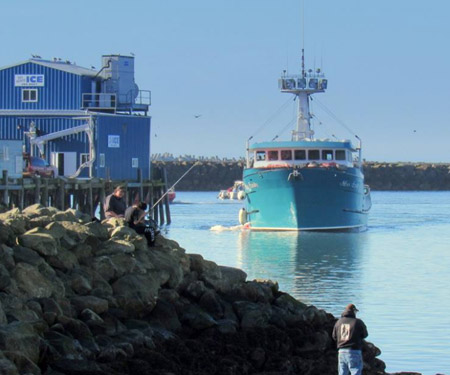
<point>324,153</point>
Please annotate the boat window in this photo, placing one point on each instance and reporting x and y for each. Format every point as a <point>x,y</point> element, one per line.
<point>300,154</point>
<point>339,154</point>
<point>327,155</point>
<point>350,157</point>
<point>260,155</point>
<point>273,155</point>
<point>314,155</point>
<point>286,154</point>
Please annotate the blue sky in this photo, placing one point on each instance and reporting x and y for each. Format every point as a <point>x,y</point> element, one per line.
<point>386,62</point>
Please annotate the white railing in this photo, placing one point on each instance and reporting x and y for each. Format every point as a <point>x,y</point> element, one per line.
<point>101,101</point>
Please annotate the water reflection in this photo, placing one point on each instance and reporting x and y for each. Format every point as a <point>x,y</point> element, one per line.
<point>323,269</point>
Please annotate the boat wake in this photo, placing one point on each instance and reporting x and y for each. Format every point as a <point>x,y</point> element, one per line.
<point>221,228</point>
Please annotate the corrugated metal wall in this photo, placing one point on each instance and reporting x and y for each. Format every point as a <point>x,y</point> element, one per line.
<point>13,128</point>
<point>62,90</point>
<point>134,143</point>
<point>9,129</point>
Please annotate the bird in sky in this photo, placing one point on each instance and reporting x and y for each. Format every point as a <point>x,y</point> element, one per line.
<point>197,116</point>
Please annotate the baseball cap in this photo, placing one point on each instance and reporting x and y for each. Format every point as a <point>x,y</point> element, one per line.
<point>351,307</point>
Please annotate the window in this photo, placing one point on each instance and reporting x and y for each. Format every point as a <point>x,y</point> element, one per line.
<point>340,154</point>
<point>286,155</point>
<point>84,158</point>
<point>314,155</point>
<point>273,155</point>
<point>327,155</point>
<point>29,95</point>
<point>4,153</point>
<point>260,155</point>
<point>101,158</point>
<point>300,154</point>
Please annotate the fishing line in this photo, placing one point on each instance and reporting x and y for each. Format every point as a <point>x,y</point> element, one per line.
<point>332,115</point>
<point>271,118</point>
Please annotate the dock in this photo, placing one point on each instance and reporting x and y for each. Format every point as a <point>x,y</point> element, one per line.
<point>86,195</point>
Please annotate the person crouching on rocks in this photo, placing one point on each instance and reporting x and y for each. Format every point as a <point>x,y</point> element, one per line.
<point>349,333</point>
<point>135,217</point>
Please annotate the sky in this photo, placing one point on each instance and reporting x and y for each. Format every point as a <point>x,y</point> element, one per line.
<point>386,62</point>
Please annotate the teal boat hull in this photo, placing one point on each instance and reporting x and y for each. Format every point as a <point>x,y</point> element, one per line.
<point>305,199</point>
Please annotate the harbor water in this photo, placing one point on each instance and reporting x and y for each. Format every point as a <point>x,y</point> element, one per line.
<point>396,272</point>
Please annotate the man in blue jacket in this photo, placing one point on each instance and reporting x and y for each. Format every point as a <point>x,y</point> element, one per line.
<point>349,333</point>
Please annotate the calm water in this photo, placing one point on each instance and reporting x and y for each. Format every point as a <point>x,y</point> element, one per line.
<point>397,272</point>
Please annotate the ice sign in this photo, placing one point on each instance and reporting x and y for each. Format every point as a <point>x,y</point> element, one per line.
<point>29,80</point>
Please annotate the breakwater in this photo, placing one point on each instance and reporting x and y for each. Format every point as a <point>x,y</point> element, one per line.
<point>216,175</point>
<point>79,297</point>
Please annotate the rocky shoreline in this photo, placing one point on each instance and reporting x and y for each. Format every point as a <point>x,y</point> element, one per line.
<point>215,175</point>
<point>86,298</point>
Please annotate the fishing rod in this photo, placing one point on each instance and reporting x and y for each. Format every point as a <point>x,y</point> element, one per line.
<point>167,192</point>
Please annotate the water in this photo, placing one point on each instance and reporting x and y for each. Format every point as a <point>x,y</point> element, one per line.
<point>396,273</point>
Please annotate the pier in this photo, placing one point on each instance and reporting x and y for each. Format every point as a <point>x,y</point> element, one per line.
<point>86,195</point>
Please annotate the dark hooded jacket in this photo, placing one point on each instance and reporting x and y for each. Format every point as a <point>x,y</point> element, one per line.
<point>349,331</point>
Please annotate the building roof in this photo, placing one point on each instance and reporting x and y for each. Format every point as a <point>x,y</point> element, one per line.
<point>65,66</point>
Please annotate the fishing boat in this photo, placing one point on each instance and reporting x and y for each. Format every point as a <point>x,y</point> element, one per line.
<point>305,183</point>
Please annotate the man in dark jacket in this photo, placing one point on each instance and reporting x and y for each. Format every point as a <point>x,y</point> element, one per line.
<point>349,333</point>
<point>135,217</point>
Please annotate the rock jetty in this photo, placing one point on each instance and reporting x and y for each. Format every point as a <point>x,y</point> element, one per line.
<point>86,298</point>
<point>215,175</point>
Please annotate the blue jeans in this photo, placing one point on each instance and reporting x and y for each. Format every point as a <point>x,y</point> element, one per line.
<point>350,362</point>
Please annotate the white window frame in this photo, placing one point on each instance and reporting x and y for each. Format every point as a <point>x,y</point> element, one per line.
<point>84,156</point>
<point>29,95</point>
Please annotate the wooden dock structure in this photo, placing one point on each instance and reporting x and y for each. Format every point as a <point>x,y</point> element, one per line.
<point>84,194</point>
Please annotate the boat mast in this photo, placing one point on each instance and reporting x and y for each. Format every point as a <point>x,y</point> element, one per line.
<point>302,86</point>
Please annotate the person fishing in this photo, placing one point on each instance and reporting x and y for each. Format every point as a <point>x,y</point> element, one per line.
<point>135,217</point>
<point>349,333</point>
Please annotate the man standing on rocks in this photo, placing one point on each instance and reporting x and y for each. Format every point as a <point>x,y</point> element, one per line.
<point>115,204</point>
<point>349,333</point>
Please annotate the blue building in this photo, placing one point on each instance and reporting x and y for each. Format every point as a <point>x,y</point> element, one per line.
<point>85,122</point>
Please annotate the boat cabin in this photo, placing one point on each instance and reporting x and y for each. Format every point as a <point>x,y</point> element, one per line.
<point>303,154</point>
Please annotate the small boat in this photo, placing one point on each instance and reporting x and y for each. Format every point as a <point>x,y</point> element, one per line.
<point>305,183</point>
<point>237,191</point>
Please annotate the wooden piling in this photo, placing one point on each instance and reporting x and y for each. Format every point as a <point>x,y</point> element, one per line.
<point>37,189</point>
<point>166,199</point>
<point>6,191</point>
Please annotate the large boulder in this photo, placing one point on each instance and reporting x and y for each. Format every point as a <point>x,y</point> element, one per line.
<point>136,294</point>
<point>6,233</point>
<point>7,367</point>
<point>115,246</point>
<point>77,231</point>
<point>20,337</point>
<point>39,240</point>
<point>167,264</point>
<point>221,278</point>
<point>30,282</point>
<point>97,305</point>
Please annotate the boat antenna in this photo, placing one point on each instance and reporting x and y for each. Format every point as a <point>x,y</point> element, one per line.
<point>303,39</point>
